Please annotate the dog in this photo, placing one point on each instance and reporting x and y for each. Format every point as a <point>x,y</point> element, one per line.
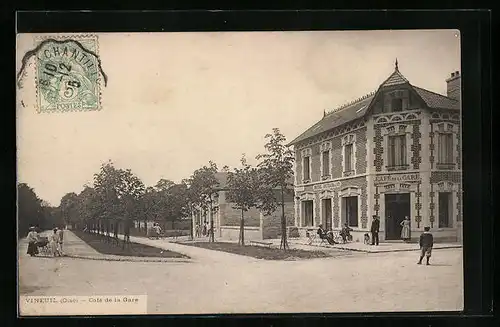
<point>367,238</point>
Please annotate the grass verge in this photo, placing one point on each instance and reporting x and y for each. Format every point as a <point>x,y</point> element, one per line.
<point>101,245</point>
<point>260,252</point>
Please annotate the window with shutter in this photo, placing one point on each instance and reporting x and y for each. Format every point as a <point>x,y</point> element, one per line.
<point>397,151</point>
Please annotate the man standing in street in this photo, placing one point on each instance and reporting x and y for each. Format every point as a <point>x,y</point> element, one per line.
<point>426,243</point>
<point>375,229</point>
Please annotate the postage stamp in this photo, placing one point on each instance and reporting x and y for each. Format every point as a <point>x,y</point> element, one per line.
<point>67,74</point>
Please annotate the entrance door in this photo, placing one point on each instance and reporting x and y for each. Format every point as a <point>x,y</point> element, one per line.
<point>327,213</point>
<point>397,206</point>
<point>444,209</point>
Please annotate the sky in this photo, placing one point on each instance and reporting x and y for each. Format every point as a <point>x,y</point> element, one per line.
<point>174,101</point>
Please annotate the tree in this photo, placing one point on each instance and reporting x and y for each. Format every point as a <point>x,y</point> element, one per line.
<point>90,208</point>
<point>275,171</point>
<point>164,199</point>
<point>192,202</point>
<point>150,202</point>
<point>29,211</point>
<point>177,203</point>
<point>206,187</point>
<point>69,209</point>
<point>164,185</point>
<point>243,186</point>
<point>119,192</point>
<point>50,216</point>
<point>33,211</point>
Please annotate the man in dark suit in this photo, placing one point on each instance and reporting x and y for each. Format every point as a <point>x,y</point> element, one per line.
<point>426,243</point>
<point>375,229</point>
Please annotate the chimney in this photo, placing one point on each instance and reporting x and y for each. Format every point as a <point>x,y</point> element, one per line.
<point>453,86</point>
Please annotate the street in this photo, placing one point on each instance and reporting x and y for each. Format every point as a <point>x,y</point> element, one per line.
<point>357,283</point>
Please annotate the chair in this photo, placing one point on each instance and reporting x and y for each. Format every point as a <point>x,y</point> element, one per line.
<point>337,238</point>
<point>326,238</point>
<point>323,238</point>
<point>311,237</point>
<point>345,236</point>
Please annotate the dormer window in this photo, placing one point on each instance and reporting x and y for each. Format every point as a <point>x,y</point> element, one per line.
<point>396,101</point>
<point>397,105</point>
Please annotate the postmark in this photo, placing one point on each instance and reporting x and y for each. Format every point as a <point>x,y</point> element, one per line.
<point>68,74</point>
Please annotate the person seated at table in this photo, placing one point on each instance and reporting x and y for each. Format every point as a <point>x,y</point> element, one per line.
<point>324,235</point>
<point>346,233</point>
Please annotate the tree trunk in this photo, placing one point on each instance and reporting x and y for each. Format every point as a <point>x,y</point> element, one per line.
<point>242,229</point>
<point>191,224</point>
<point>126,234</point>
<point>107,230</point>
<point>211,230</point>
<point>115,230</point>
<point>284,241</point>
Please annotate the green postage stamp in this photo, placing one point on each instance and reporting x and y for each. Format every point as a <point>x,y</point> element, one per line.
<point>67,74</point>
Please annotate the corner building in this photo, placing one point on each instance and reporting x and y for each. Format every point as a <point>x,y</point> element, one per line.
<point>393,153</point>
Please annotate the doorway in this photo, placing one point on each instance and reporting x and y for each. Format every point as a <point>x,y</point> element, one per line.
<point>308,213</point>
<point>350,211</point>
<point>444,208</point>
<point>397,206</point>
<point>326,219</point>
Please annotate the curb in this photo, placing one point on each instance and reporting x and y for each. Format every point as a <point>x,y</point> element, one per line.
<point>128,259</point>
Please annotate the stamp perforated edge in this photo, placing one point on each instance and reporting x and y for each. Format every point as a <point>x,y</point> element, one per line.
<point>37,40</point>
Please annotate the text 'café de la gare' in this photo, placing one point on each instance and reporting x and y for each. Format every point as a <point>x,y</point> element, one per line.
<point>393,153</point>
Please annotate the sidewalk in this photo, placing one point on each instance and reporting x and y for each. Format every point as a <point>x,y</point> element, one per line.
<point>302,244</point>
<point>361,247</point>
<point>196,253</point>
<point>75,247</point>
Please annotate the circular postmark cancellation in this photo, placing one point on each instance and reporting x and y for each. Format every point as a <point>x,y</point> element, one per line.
<point>67,74</point>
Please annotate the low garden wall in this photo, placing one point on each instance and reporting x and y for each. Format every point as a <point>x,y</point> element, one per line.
<point>232,233</point>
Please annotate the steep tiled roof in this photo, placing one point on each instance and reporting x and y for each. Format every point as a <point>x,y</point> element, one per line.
<point>336,118</point>
<point>435,100</point>
<point>395,79</point>
<point>358,108</point>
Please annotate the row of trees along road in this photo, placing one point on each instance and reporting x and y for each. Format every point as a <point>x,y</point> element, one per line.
<point>117,197</point>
